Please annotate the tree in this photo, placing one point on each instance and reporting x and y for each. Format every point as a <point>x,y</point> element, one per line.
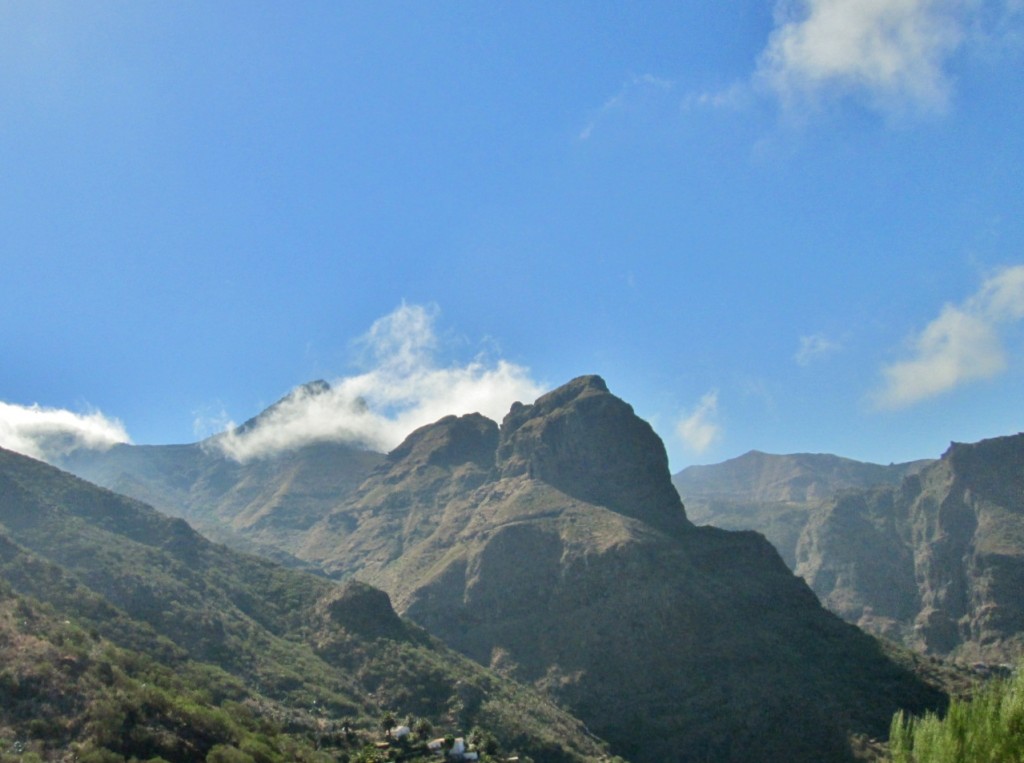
<point>387,723</point>
<point>423,728</point>
<point>484,741</point>
<point>986,728</point>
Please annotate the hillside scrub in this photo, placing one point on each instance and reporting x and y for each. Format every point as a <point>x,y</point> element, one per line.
<point>987,727</point>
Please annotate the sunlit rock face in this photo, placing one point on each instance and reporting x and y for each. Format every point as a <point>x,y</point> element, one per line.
<point>937,561</point>
<point>590,444</point>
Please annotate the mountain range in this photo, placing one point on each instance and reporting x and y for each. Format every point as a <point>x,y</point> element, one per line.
<point>554,550</point>
<point>930,553</point>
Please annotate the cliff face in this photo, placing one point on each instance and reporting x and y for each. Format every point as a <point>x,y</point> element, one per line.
<point>557,551</point>
<point>589,444</point>
<point>938,560</point>
<point>776,495</point>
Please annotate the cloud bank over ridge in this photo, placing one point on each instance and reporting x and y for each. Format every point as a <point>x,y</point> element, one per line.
<point>50,433</point>
<point>404,389</point>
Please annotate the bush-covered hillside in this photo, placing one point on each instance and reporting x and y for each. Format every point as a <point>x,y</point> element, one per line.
<point>186,626</point>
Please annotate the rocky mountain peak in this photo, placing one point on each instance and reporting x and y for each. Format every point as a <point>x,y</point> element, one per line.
<point>993,453</point>
<point>307,390</point>
<point>451,441</point>
<point>588,443</point>
<point>362,609</point>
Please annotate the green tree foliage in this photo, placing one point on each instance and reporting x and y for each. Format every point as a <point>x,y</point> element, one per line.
<point>226,754</point>
<point>423,728</point>
<point>988,727</point>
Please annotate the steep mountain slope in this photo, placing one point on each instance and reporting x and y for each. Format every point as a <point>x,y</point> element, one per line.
<point>776,494</point>
<point>67,693</point>
<point>937,560</point>
<point>557,551</point>
<point>306,650</point>
<point>261,505</point>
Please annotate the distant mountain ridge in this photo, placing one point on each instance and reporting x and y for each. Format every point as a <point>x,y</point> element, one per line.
<point>773,494</point>
<point>255,506</point>
<point>930,553</point>
<point>797,477</point>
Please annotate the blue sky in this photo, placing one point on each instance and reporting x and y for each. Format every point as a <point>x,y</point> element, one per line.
<point>792,226</point>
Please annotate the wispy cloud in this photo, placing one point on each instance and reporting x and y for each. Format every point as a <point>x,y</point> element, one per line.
<point>405,388</point>
<point>893,52</point>
<point>49,433</point>
<point>734,97</point>
<point>699,428</point>
<point>640,94</point>
<point>961,345</point>
<point>813,347</point>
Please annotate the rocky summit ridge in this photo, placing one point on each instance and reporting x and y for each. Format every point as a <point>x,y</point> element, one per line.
<point>555,550</point>
<point>588,443</point>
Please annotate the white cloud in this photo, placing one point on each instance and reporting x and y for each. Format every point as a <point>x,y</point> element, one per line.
<point>733,97</point>
<point>813,347</point>
<point>49,433</point>
<point>699,428</point>
<point>404,389</point>
<point>892,51</point>
<point>961,345</point>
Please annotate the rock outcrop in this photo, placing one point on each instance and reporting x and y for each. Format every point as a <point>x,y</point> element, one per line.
<point>565,559</point>
<point>363,610</point>
<point>777,494</point>
<point>937,560</point>
<point>589,444</point>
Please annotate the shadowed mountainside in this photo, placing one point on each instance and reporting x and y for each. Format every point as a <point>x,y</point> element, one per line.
<point>556,550</point>
<point>299,650</point>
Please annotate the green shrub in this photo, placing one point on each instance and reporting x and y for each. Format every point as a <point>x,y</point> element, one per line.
<point>989,727</point>
<point>100,755</point>
<point>223,753</point>
<point>260,750</point>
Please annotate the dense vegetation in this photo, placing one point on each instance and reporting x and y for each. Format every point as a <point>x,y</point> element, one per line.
<point>988,727</point>
<point>66,692</point>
